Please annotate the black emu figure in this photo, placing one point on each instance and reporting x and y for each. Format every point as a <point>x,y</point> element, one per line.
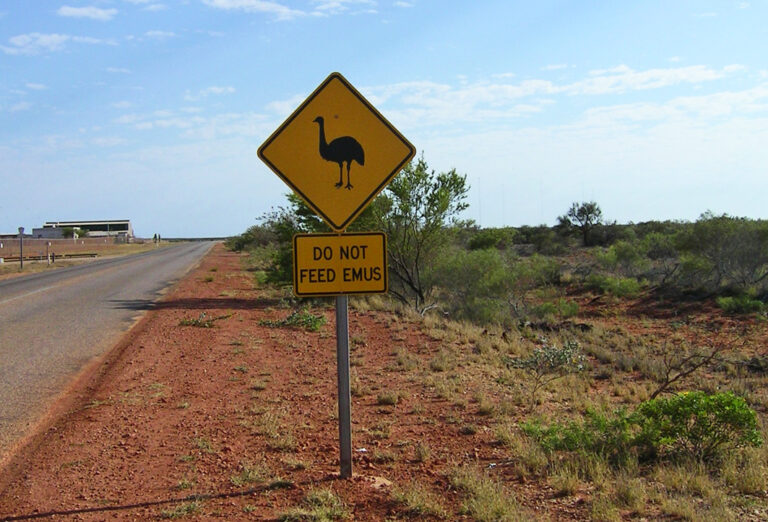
<point>341,150</point>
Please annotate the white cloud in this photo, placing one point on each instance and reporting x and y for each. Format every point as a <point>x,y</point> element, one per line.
<point>617,69</point>
<point>122,105</point>
<point>149,5</point>
<point>118,70</point>
<point>249,125</point>
<point>280,11</point>
<point>554,67</point>
<point>501,101</point>
<point>179,123</point>
<point>21,106</point>
<point>108,141</point>
<point>93,13</point>
<point>283,108</point>
<point>403,4</point>
<point>209,91</point>
<point>332,7</point>
<point>36,86</point>
<point>159,35</point>
<point>742,5</point>
<point>128,119</point>
<point>36,43</point>
<point>728,104</point>
<point>449,107</point>
<point>623,78</point>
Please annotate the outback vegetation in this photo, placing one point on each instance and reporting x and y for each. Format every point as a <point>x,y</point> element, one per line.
<point>620,365</point>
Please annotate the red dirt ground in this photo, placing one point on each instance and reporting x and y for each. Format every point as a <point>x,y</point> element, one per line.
<point>170,413</point>
<point>175,413</point>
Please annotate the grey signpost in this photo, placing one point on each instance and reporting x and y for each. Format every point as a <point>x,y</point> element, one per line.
<point>342,363</point>
<point>21,248</point>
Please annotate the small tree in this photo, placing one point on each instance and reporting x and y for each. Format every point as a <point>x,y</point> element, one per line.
<point>415,211</point>
<point>584,217</point>
<point>549,363</point>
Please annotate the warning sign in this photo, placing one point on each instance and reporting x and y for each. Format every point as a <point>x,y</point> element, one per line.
<point>337,152</point>
<point>332,264</point>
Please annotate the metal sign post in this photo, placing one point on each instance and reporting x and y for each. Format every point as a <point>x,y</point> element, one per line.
<point>21,248</point>
<point>342,363</point>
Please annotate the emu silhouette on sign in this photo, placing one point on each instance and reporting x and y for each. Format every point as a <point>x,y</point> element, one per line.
<point>342,150</point>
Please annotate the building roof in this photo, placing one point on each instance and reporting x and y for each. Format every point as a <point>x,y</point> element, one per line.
<point>79,223</point>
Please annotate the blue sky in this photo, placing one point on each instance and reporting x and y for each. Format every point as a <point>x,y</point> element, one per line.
<point>153,110</point>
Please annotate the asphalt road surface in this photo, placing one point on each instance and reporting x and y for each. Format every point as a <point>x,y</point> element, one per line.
<point>52,324</point>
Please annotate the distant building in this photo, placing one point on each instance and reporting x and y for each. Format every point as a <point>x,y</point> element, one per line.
<point>121,228</point>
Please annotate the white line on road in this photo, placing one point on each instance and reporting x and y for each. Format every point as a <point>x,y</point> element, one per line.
<point>33,292</point>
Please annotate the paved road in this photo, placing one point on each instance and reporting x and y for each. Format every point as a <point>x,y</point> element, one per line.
<point>52,324</point>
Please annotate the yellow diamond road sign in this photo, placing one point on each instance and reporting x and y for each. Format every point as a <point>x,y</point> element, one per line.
<point>336,151</point>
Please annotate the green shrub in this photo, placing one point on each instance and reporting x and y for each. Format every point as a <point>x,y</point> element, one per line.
<point>742,304</point>
<point>475,285</point>
<point>500,238</point>
<point>659,245</point>
<point>537,271</point>
<point>626,256</point>
<point>611,437</point>
<point>543,238</point>
<point>548,363</point>
<point>321,505</point>
<point>254,236</point>
<point>615,286</point>
<point>298,319</point>
<point>202,321</point>
<point>696,425</point>
<point>692,425</point>
<point>561,308</point>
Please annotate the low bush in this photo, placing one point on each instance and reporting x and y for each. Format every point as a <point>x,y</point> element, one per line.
<point>742,304</point>
<point>627,256</point>
<point>691,425</point>
<point>561,308</point>
<point>549,363</point>
<point>499,238</point>
<point>611,437</point>
<point>696,425</point>
<point>297,319</point>
<point>474,285</point>
<point>615,286</point>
